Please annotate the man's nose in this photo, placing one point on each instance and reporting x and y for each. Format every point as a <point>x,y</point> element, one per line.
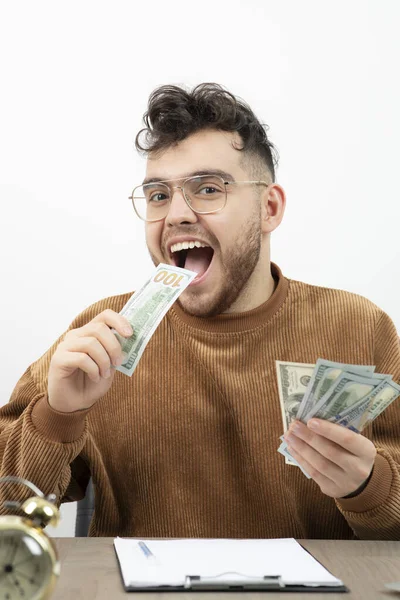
<point>179,212</point>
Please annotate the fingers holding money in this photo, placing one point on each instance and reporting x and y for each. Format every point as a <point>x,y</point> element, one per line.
<point>351,441</point>
<point>94,348</point>
<point>314,458</point>
<point>80,369</point>
<point>112,319</point>
<point>78,360</point>
<point>339,460</point>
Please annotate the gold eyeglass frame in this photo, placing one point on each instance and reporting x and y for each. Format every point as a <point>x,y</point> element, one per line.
<point>182,188</point>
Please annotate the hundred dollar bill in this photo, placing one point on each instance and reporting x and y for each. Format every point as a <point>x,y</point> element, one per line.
<point>325,375</point>
<point>293,379</point>
<point>348,390</point>
<point>361,415</point>
<point>146,308</point>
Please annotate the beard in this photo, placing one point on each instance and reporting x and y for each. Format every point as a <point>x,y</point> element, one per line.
<point>237,264</point>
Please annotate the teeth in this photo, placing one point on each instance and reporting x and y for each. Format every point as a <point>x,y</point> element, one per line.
<point>187,245</point>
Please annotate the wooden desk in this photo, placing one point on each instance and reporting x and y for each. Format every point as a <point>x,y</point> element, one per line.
<point>89,571</point>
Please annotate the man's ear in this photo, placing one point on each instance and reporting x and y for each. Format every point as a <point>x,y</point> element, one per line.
<point>273,202</point>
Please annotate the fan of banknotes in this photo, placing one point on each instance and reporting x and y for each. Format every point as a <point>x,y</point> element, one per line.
<point>350,395</point>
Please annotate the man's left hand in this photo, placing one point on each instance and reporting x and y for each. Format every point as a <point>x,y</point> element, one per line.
<point>339,460</point>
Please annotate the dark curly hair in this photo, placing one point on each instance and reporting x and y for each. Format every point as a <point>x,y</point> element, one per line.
<point>173,114</point>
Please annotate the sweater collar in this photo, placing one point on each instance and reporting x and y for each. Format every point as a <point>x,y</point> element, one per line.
<point>236,322</point>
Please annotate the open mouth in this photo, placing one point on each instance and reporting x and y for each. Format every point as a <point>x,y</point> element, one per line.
<point>195,259</point>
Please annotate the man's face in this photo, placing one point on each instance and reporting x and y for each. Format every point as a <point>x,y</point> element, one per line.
<point>233,235</point>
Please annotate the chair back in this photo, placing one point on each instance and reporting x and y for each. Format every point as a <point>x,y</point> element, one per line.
<point>84,512</point>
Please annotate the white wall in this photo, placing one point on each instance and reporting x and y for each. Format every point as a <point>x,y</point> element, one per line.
<point>75,78</point>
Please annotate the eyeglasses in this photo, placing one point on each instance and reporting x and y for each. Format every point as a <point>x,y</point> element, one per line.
<point>204,194</point>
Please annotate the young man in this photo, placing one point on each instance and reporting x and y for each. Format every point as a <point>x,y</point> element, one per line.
<point>187,446</point>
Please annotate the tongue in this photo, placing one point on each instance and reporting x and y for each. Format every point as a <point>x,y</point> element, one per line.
<point>198,260</point>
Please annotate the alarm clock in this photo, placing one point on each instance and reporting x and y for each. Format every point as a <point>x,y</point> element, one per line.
<point>29,565</point>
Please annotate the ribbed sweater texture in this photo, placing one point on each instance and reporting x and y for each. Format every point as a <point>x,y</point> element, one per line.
<point>187,446</point>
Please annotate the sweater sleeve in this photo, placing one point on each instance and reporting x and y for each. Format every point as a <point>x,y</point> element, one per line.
<point>375,512</point>
<point>40,444</point>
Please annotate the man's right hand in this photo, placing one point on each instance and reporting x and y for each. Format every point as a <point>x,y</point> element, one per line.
<point>80,370</point>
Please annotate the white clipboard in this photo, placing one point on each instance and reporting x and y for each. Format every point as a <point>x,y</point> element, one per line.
<point>220,564</point>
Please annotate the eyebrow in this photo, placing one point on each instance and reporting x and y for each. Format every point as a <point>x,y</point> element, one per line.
<point>226,176</point>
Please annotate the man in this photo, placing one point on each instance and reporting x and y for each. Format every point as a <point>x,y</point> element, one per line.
<point>188,445</point>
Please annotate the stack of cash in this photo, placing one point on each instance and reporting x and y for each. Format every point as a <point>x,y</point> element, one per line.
<point>349,395</point>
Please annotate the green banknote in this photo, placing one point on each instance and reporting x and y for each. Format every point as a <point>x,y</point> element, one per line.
<point>362,414</point>
<point>323,379</point>
<point>347,391</point>
<point>293,379</point>
<point>146,308</point>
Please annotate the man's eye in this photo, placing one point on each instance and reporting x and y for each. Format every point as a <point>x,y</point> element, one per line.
<point>158,197</point>
<point>208,190</point>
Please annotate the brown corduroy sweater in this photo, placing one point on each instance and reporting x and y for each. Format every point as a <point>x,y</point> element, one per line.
<point>187,446</point>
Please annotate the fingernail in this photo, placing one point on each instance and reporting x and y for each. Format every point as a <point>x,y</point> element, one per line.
<point>313,424</point>
<point>107,374</point>
<point>295,426</point>
<point>118,361</point>
<point>127,331</point>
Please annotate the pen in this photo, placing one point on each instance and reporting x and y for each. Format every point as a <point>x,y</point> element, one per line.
<point>146,551</point>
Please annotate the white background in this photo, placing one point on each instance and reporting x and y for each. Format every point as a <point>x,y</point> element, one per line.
<point>74,82</point>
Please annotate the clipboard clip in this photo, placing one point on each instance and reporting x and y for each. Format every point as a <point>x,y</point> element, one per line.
<point>233,581</point>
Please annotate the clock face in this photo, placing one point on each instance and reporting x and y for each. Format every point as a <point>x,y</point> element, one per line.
<point>25,568</point>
